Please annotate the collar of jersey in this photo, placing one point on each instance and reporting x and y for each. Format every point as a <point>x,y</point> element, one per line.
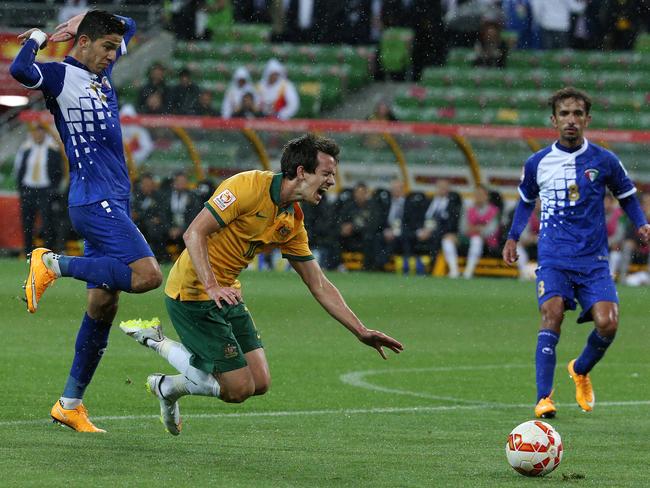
<point>276,186</point>
<point>72,61</point>
<point>576,150</point>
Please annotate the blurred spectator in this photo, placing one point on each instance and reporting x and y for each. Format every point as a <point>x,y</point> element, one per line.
<point>71,8</point>
<point>182,15</point>
<point>278,95</point>
<point>356,22</point>
<point>616,230</point>
<point>519,19</point>
<point>425,18</point>
<point>490,49</point>
<point>622,20</point>
<point>248,109</point>
<point>147,213</point>
<point>136,137</point>
<point>241,83</point>
<point>184,97</point>
<point>205,105</point>
<point>323,242</point>
<point>38,169</point>
<point>554,20</point>
<point>204,189</point>
<point>439,226</point>
<point>390,238</point>
<point>299,19</point>
<point>481,226</point>
<point>383,111</point>
<point>355,231</point>
<point>219,16</point>
<point>255,11</point>
<point>179,206</point>
<point>156,86</point>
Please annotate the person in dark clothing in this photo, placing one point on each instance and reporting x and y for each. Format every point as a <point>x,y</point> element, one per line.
<point>184,97</point>
<point>39,170</point>
<point>147,213</point>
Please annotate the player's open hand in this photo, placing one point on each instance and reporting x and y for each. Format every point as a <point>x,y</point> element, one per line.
<point>379,340</point>
<point>644,233</point>
<point>67,30</point>
<point>226,294</point>
<point>25,36</point>
<point>509,253</point>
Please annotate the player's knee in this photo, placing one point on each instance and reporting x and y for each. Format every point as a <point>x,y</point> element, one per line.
<point>552,318</point>
<point>262,387</point>
<point>238,394</point>
<point>103,308</point>
<point>606,323</point>
<point>148,280</point>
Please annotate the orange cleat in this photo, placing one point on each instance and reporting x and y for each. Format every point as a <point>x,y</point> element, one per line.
<point>38,279</point>
<point>76,418</point>
<point>545,408</point>
<point>584,391</point>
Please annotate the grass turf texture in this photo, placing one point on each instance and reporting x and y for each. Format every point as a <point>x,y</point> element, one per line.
<point>439,415</point>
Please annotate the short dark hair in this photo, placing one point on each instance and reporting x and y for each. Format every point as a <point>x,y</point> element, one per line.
<point>99,23</point>
<point>303,151</point>
<point>569,92</point>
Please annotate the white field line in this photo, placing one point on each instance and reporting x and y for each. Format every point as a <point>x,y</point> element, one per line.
<point>356,378</point>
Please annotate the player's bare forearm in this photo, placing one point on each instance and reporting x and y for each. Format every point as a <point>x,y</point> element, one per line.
<point>332,301</point>
<point>196,243</point>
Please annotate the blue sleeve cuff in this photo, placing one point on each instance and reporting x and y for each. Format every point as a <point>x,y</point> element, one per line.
<point>633,209</point>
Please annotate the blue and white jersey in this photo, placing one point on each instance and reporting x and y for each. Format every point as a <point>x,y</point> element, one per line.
<point>571,186</point>
<point>86,114</point>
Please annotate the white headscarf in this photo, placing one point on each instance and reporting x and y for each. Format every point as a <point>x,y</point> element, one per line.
<point>234,94</point>
<point>279,99</point>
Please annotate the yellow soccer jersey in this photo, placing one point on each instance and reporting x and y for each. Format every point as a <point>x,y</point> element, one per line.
<point>246,207</point>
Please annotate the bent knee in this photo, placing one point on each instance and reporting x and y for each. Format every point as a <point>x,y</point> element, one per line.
<point>237,395</point>
<point>261,389</point>
<point>147,281</point>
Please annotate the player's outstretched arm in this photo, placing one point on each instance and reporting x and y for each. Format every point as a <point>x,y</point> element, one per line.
<point>332,301</point>
<point>22,68</point>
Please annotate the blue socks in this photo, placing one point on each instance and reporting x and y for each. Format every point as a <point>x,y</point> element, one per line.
<point>104,272</point>
<point>592,353</point>
<point>545,360</point>
<point>92,340</point>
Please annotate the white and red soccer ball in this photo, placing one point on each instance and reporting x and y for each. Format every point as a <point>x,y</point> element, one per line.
<point>534,448</point>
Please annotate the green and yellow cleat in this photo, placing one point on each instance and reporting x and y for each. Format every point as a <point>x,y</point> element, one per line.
<point>143,330</point>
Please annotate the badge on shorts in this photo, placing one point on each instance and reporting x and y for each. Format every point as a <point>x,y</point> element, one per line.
<point>224,199</point>
<point>230,351</point>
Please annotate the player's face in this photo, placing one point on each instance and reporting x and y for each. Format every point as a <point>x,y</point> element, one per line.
<point>570,119</point>
<point>315,185</point>
<point>98,54</point>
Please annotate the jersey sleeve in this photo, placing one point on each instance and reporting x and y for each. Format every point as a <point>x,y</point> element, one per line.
<point>47,77</point>
<point>528,188</point>
<point>231,199</point>
<point>618,181</point>
<point>128,35</point>
<point>297,248</point>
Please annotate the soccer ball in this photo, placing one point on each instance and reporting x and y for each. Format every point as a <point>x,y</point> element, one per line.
<point>534,448</point>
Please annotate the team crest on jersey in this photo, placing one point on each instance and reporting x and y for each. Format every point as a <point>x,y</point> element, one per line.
<point>224,199</point>
<point>230,351</point>
<point>592,174</point>
<point>106,84</point>
<point>284,231</point>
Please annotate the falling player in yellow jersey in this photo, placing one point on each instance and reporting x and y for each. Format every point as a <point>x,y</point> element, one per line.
<point>221,354</point>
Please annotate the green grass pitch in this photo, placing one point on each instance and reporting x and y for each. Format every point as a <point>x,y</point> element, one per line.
<point>336,415</point>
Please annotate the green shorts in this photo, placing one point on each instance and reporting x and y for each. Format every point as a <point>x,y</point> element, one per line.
<point>217,339</point>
